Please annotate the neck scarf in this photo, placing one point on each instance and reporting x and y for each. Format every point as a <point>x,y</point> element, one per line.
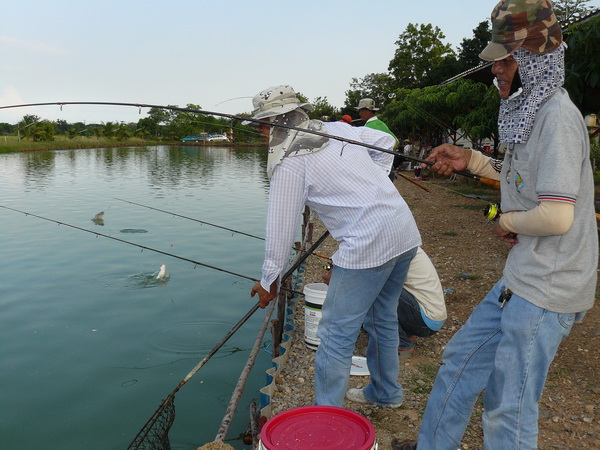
<point>541,76</point>
<point>284,142</point>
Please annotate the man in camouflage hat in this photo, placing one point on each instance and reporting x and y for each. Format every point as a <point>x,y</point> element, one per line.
<point>507,345</point>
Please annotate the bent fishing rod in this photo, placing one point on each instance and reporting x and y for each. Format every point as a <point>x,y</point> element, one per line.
<point>246,119</point>
<point>143,247</point>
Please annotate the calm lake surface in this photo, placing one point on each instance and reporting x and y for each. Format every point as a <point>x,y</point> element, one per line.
<point>91,342</point>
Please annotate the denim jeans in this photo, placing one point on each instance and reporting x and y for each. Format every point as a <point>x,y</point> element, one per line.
<point>410,321</point>
<point>355,298</point>
<point>506,352</point>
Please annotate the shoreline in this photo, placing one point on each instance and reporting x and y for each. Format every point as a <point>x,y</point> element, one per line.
<point>28,146</point>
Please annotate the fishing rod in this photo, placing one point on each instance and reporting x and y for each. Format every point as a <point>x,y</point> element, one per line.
<point>413,182</point>
<point>247,119</point>
<point>205,223</point>
<point>143,247</point>
<point>159,424</point>
<point>487,181</point>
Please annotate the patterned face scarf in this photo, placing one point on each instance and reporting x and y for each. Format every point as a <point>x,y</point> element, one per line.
<point>284,142</point>
<point>541,76</point>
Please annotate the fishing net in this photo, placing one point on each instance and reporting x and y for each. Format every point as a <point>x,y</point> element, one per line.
<point>155,434</point>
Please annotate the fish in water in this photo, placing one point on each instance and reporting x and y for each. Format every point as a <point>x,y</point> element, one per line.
<point>162,272</point>
<point>99,218</point>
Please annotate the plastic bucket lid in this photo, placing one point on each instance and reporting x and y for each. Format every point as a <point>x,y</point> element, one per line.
<point>315,293</point>
<point>318,427</point>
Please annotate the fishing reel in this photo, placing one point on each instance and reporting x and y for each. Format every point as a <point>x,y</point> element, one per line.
<point>492,211</point>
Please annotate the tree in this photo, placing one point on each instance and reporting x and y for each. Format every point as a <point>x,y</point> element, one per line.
<point>109,130</point>
<point>24,127</point>
<point>6,128</point>
<point>322,108</point>
<point>62,126</point>
<point>420,49</point>
<point>447,68</point>
<point>480,121</point>
<point>375,85</point>
<point>434,114</point>
<point>468,53</point>
<point>567,10</point>
<point>42,131</point>
<point>122,132</point>
<point>582,60</point>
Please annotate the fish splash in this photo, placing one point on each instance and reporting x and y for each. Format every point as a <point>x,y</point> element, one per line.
<point>162,273</point>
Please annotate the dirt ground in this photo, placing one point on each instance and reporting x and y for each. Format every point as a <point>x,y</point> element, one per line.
<point>469,261</point>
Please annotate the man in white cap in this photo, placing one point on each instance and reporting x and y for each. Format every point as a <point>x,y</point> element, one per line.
<point>364,212</point>
<point>507,345</point>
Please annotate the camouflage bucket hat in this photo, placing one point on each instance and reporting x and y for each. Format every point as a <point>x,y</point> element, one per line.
<point>530,24</point>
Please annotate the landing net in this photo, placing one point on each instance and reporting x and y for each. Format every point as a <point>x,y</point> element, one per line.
<point>154,435</point>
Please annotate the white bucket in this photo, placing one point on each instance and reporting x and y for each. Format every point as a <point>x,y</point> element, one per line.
<point>591,121</point>
<point>314,297</point>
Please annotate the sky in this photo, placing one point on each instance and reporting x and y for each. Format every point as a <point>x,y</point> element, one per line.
<point>216,54</point>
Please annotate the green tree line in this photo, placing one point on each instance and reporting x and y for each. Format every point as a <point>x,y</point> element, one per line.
<point>414,100</point>
<point>160,124</point>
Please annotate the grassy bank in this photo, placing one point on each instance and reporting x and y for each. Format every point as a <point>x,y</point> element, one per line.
<point>11,144</point>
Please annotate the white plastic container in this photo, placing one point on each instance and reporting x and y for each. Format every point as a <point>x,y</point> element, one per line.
<point>314,297</point>
<point>591,121</point>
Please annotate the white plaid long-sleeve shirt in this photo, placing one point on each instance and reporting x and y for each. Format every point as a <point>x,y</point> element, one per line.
<point>346,186</point>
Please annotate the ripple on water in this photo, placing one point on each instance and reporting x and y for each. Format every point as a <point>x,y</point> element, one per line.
<point>193,337</point>
<point>135,281</point>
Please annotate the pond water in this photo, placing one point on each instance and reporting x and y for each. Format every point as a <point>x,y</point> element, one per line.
<point>91,341</point>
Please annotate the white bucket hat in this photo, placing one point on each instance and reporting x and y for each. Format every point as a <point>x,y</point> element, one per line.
<point>367,103</point>
<point>275,101</point>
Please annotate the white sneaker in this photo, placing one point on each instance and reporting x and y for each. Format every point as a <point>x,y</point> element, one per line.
<point>358,396</point>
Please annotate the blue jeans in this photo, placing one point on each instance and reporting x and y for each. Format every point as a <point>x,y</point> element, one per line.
<point>355,298</point>
<point>410,321</point>
<point>506,352</point>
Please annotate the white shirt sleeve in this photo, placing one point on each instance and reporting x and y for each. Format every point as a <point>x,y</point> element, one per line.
<point>286,200</point>
<point>378,139</point>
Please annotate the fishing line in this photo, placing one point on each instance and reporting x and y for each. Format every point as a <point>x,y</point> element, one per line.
<point>189,218</point>
<point>205,223</point>
<point>143,247</point>
<point>156,429</point>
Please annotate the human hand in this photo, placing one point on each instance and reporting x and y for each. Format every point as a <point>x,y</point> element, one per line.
<point>448,158</point>
<point>264,296</point>
<point>504,235</point>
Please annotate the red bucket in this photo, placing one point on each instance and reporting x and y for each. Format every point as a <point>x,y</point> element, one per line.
<point>318,427</point>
